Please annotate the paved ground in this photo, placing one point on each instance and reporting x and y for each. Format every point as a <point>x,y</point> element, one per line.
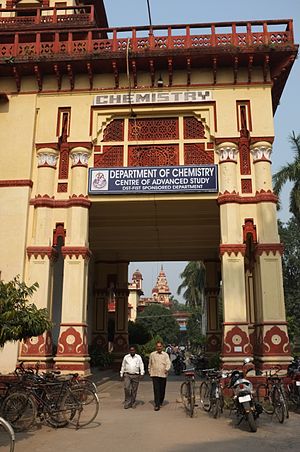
<point>168,430</point>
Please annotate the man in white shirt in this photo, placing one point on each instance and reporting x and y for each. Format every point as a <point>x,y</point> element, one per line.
<point>131,370</point>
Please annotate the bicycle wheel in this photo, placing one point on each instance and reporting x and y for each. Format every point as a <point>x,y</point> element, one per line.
<point>264,398</point>
<point>278,404</point>
<point>205,396</point>
<point>19,409</point>
<point>7,436</point>
<point>85,383</point>
<point>285,401</point>
<point>80,406</point>
<point>187,393</point>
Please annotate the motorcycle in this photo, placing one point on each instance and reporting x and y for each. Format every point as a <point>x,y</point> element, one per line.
<point>243,398</point>
<point>199,362</point>
<point>178,364</point>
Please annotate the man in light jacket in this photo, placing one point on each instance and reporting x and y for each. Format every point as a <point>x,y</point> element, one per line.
<point>159,366</point>
<point>132,370</point>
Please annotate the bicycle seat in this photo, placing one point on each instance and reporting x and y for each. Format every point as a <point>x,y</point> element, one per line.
<point>189,373</point>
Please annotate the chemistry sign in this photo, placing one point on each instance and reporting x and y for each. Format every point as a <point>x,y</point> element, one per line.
<point>152,97</point>
<point>161,179</point>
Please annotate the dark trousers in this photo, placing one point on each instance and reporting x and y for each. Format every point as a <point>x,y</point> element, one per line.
<point>159,389</point>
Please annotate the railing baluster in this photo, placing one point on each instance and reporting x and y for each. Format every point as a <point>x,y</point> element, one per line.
<point>134,40</point>
<point>16,45</point>
<point>70,42</point>
<point>213,35</point>
<point>38,43</point>
<point>265,32</point>
<point>115,41</point>
<point>188,42</point>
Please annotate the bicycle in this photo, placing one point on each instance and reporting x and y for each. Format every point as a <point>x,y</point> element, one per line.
<point>271,395</point>
<point>59,402</point>
<point>211,393</point>
<point>7,436</point>
<point>187,391</point>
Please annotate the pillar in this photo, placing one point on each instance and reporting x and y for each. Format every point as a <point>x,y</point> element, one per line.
<point>40,260</point>
<point>72,350</point>
<point>212,289</point>
<point>272,342</point>
<point>235,341</point>
<point>99,336</point>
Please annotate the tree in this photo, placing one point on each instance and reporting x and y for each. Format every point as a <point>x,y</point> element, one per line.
<point>193,282</point>
<point>291,172</point>
<point>158,320</point>
<point>194,330</point>
<point>290,236</point>
<point>20,319</point>
<point>177,306</point>
<point>138,334</point>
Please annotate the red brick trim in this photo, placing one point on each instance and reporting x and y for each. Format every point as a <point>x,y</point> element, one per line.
<point>232,249</point>
<point>76,251</point>
<point>42,251</point>
<point>236,140</point>
<point>74,200</point>
<point>53,146</point>
<point>269,248</point>
<point>261,196</point>
<point>16,183</point>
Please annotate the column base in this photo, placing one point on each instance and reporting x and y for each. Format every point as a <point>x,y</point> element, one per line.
<point>213,342</point>
<point>272,345</point>
<point>69,364</point>
<point>37,349</point>
<point>236,345</point>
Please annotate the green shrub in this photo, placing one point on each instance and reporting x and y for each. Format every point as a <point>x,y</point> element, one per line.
<point>99,357</point>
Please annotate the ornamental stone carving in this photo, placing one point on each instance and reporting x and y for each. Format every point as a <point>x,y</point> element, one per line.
<point>227,152</point>
<point>47,158</point>
<point>80,156</point>
<point>261,151</point>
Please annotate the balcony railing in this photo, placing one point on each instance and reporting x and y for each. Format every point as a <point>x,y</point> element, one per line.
<point>242,35</point>
<point>63,16</point>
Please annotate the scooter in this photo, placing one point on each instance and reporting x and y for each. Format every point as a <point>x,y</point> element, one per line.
<point>244,404</point>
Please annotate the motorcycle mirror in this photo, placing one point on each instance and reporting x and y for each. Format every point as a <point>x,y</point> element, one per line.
<point>247,360</point>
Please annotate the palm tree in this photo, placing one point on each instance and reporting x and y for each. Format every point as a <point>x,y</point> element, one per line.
<point>291,172</point>
<point>193,277</point>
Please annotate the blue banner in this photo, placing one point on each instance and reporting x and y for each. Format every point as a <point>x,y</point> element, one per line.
<point>153,179</point>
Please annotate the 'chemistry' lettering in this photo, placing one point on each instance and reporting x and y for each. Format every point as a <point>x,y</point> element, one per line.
<point>152,97</point>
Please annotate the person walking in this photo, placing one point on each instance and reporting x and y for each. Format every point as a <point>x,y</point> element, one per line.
<point>159,366</point>
<point>132,370</point>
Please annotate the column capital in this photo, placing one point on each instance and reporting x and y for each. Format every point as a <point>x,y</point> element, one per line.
<point>261,151</point>
<point>80,156</point>
<point>227,152</point>
<point>47,157</point>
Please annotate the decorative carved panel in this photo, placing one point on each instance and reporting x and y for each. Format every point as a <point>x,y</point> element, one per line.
<point>193,128</point>
<point>62,187</point>
<point>244,150</point>
<point>112,156</point>
<point>246,185</point>
<point>63,171</point>
<point>195,154</point>
<point>152,155</point>
<point>114,131</point>
<point>153,129</point>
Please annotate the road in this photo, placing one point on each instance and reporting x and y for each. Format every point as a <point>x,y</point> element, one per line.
<point>168,430</point>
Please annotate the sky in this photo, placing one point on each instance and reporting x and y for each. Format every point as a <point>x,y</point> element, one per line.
<point>135,12</point>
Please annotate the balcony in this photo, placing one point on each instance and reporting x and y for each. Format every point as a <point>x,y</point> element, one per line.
<point>240,36</point>
<point>65,47</point>
<point>41,18</point>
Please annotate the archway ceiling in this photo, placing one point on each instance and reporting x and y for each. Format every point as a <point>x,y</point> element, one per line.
<point>154,229</point>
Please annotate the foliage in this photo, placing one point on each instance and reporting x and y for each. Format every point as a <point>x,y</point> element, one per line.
<point>158,320</point>
<point>100,358</point>
<point>193,277</point>
<point>150,346</point>
<point>194,335</point>
<point>20,319</point>
<point>177,306</point>
<point>214,361</point>
<point>291,172</point>
<point>290,236</point>
<point>138,333</point>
